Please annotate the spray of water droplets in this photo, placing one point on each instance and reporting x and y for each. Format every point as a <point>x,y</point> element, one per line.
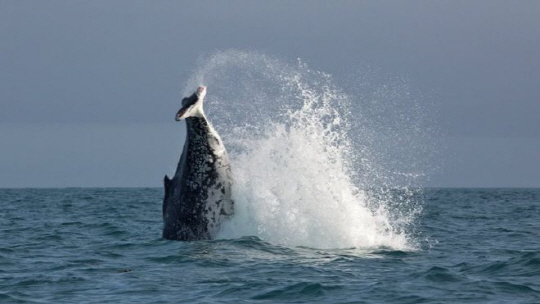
<point>305,167</point>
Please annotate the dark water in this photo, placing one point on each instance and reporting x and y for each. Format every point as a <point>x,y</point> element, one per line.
<point>104,245</point>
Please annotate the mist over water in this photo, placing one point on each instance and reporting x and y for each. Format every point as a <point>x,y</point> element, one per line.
<point>306,155</point>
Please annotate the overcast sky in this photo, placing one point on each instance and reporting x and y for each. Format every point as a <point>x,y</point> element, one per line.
<point>88,87</point>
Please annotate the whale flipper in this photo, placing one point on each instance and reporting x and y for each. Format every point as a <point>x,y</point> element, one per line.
<point>167,186</point>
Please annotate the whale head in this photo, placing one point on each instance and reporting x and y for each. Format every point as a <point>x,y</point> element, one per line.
<point>192,105</point>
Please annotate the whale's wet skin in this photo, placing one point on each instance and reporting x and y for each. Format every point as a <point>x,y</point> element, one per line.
<point>198,198</point>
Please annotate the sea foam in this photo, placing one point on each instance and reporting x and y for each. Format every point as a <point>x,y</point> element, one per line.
<point>300,179</point>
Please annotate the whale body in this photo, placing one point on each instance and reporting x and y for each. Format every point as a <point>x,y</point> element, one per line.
<point>198,197</point>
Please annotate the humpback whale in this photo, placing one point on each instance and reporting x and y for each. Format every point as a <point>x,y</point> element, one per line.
<point>198,198</point>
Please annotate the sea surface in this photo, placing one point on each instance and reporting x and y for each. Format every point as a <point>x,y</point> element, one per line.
<point>103,245</point>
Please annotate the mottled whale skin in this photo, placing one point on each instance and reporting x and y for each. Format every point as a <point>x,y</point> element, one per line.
<point>198,198</point>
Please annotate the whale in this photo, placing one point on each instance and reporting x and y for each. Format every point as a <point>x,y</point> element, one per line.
<point>198,197</point>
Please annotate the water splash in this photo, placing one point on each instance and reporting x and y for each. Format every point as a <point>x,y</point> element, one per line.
<point>305,170</point>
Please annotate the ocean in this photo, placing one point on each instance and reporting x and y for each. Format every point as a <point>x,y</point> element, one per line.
<point>104,245</point>
<point>327,209</point>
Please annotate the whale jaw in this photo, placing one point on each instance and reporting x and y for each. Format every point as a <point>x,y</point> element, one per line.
<point>192,105</point>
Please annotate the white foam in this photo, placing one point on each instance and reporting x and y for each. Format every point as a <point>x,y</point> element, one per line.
<point>287,130</point>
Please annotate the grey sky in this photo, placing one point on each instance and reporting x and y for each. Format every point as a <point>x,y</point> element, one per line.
<point>75,70</point>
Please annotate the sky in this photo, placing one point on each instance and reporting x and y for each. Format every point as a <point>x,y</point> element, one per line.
<point>87,88</point>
